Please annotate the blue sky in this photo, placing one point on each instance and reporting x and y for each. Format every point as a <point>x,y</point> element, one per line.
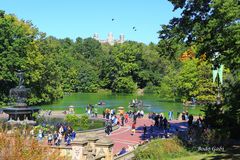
<point>83,18</point>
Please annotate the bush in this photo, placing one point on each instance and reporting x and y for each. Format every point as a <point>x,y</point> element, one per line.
<point>161,149</point>
<point>84,122</point>
<point>208,137</point>
<point>72,119</point>
<point>16,146</point>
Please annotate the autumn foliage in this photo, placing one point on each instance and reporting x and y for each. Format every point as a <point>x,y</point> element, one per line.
<point>15,145</point>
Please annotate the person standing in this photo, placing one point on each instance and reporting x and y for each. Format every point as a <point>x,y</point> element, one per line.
<point>73,135</point>
<point>190,120</point>
<point>144,130</point>
<point>59,139</point>
<point>122,119</point>
<point>68,140</point>
<point>61,129</point>
<point>40,134</point>
<point>103,114</point>
<point>50,138</point>
<point>107,128</point>
<point>133,128</point>
<point>141,113</point>
<point>135,117</point>
<point>170,115</point>
<point>165,123</point>
<point>126,118</point>
<point>55,137</point>
<point>95,111</point>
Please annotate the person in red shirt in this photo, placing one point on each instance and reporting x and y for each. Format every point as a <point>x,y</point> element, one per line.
<point>126,118</point>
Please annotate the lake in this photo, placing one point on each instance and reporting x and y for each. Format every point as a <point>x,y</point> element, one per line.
<point>81,100</point>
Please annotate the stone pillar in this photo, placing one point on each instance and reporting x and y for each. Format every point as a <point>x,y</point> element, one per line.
<point>89,150</point>
<point>78,150</point>
<point>104,148</point>
<point>65,151</point>
<point>92,140</point>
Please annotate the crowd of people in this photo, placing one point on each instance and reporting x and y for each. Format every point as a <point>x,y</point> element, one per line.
<point>63,134</point>
<point>112,119</point>
<point>92,110</point>
<point>67,134</point>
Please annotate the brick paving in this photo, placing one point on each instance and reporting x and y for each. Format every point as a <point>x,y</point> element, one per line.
<point>123,138</point>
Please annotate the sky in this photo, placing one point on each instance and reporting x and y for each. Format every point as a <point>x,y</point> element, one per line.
<point>83,18</point>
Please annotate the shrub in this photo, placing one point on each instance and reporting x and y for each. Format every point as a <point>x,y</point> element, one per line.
<point>16,146</point>
<point>84,122</point>
<point>72,119</point>
<point>209,137</point>
<point>161,149</point>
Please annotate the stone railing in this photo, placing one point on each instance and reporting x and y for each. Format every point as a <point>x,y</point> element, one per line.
<point>88,148</point>
<point>126,156</point>
<point>98,131</point>
<point>131,154</point>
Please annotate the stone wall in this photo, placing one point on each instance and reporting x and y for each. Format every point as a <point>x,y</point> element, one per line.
<point>126,156</point>
<point>90,147</point>
<point>98,131</point>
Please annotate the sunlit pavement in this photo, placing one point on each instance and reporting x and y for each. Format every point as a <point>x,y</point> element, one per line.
<point>122,137</point>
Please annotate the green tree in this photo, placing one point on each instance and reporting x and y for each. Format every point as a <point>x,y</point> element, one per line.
<point>18,51</point>
<point>205,91</point>
<point>91,48</point>
<point>124,85</point>
<point>212,26</point>
<point>168,86</point>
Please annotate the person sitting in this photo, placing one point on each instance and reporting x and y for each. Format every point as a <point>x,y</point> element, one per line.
<point>123,151</point>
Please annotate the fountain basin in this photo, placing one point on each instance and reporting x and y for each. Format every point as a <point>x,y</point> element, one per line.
<point>20,113</point>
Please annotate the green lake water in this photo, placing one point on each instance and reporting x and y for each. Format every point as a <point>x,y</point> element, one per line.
<point>81,100</point>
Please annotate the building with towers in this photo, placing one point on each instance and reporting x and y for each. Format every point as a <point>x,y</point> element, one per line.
<point>110,39</point>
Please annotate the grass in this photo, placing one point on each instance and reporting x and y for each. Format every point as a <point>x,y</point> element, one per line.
<point>210,156</point>
<point>173,149</point>
<point>197,156</point>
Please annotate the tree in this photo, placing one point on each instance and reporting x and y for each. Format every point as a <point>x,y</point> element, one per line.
<point>205,91</point>
<point>124,85</point>
<point>168,85</point>
<point>91,48</point>
<point>18,51</point>
<point>212,26</point>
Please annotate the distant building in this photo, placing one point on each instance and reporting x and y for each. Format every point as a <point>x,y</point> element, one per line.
<point>110,39</point>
